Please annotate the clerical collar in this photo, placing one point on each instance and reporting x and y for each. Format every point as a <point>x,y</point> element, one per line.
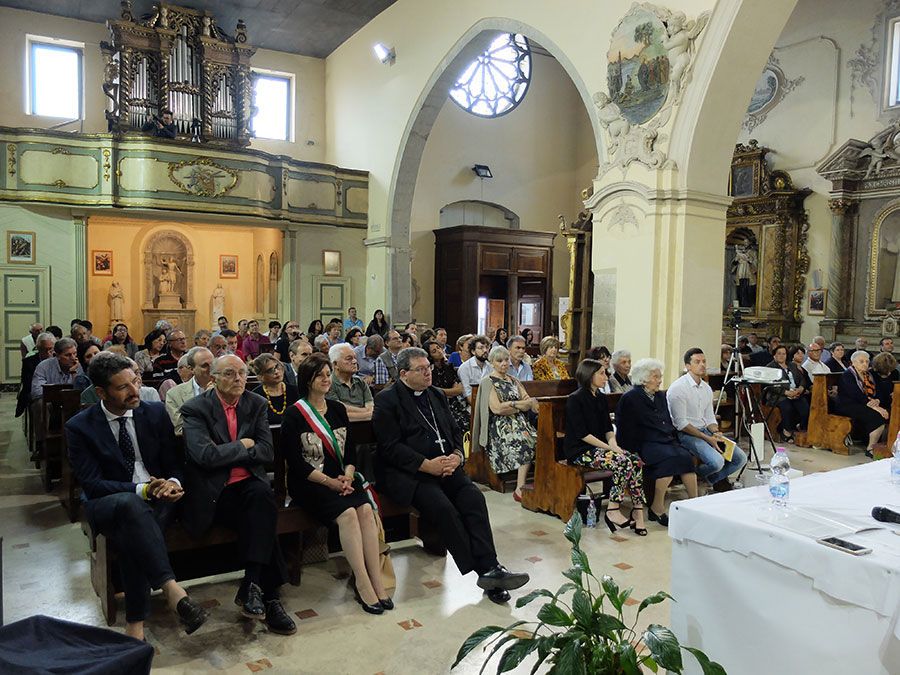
<point>418,393</point>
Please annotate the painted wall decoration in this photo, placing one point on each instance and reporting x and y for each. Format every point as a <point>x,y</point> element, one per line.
<point>772,87</point>
<point>228,267</point>
<point>765,91</point>
<point>637,73</point>
<point>20,247</point>
<point>102,263</point>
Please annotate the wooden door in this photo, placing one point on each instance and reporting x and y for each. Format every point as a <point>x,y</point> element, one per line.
<point>332,298</point>
<point>26,299</point>
<point>530,314</point>
<point>496,315</point>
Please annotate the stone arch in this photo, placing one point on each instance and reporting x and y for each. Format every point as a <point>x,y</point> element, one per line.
<point>168,242</point>
<point>273,283</point>
<point>419,125</point>
<point>261,276</point>
<point>500,212</point>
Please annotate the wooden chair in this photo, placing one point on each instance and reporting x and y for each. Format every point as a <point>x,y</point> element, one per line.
<point>827,430</point>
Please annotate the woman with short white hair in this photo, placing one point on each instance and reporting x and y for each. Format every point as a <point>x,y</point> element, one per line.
<point>857,399</point>
<point>645,427</point>
<point>509,436</point>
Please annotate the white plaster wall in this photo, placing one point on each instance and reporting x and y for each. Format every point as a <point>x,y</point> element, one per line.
<point>817,117</point>
<point>539,170</point>
<point>309,76</point>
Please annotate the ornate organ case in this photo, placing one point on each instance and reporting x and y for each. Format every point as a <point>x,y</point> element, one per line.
<point>178,58</point>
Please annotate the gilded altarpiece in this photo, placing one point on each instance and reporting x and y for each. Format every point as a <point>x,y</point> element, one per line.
<point>765,245</point>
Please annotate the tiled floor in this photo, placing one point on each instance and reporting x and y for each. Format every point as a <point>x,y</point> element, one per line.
<point>46,571</point>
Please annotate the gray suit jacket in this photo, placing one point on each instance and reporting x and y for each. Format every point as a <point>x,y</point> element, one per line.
<point>290,377</point>
<point>211,454</point>
<point>176,397</point>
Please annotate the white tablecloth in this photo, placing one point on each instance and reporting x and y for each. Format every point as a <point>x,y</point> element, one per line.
<point>761,599</point>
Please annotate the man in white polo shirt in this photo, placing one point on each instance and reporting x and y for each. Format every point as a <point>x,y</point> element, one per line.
<point>690,405</point>
<point>813,363</point>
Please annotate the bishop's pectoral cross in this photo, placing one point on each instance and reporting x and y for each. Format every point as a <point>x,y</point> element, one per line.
<point>440,441</point>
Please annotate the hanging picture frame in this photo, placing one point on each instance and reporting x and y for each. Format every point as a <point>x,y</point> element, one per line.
<point>102,263</point>
<point>20,247</point>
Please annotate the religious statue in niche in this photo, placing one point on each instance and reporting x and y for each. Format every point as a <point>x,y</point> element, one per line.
<point>742,259</point>
<point>168,274</point>
<point>116,303</point>
<point>218,305</point>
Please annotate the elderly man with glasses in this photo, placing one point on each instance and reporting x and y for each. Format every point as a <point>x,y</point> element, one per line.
<point>228,443</point>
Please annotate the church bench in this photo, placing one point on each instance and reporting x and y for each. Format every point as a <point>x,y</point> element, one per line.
<point>477,466</point>
<point>557,484</point>
<point>69,488</point>
<point>53,442</point>
<point>883,450</point>
<point>826,430</point>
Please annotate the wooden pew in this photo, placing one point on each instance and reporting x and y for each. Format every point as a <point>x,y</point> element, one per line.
<point>826,430</point>
<point>477,466</point>
<point>883,450</point>
<point>53,433</point>
<point>69,489</point>
<point>557,483</point>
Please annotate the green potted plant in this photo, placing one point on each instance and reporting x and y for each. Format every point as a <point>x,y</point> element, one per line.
<point>580,636</point>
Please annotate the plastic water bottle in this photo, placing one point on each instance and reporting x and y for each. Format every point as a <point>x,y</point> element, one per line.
<point>895,462</point>
<point>591,520</point>
<point>779,482</point>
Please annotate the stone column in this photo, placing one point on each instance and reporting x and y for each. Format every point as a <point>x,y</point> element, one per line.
<point>81,266</point>
<point>290,276</point>
<point>841,255</point>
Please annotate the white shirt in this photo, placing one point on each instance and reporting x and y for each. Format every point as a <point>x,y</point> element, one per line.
<point>690,403</point>
<point>471,373</point>
<point>815,367</point>
<point>140,476</point>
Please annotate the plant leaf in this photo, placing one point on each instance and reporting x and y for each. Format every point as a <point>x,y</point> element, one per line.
<point>628,658</point>
<point>663,646</point>
<point>624,595</point>
<point>541,592</point>
<point>611,588</point>
<point>554,615</point>
<point>565,588</point>
<point>573,529</point>
<point>709,667</point>
<point>580,559</point>
<point>574,573</point>
<point>650,663</point>
<point>654,599</point>
<point>513,656</point>
<point>607,624</point>
<point>474,640</point>
<point>569,660</point>
<point>581,609</point>
<point>507,637</point>
<point>545,647</point>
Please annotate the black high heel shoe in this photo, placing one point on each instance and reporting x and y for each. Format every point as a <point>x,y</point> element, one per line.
<point>639,531</point>
<point>661,519</point>
<point>614,526</point>
<point>376,608</point>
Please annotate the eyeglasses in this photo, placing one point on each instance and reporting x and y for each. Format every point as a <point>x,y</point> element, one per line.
<point>232,374</point>
<point>274,369</point>
<point>421,370</point>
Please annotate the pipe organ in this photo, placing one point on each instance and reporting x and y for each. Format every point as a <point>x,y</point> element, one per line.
<point>178,58</point>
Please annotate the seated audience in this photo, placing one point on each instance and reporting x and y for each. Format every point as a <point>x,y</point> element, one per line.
<point>251,343</point>
<point>242,332</point>
<point>43,351</point>
<point>283,344</point>
<point>461,355</point>
<point>184,374</point>
<point>857,398</point>
<point>274,331</point>
<point>794,406</point>
<point>725,358</point>
<point>278,394</point>
<point>322,478</point>
<point>218,345</point>
<point>862,344</point>
<point>408,340</point>
<point>814,364</point>
<point>61,370</point>
<point>884,373</point>
<point>232,345</point>
<point>413,329</point>
<point>366,356</point>
<point>228,444</point>
<point>353,336</point>
<point>333,331</point>
<point>427,335</point>
<point>500,337</point>
<point>619,383</point>
<point>120,336</point>
<point>298,351</point>
<point>440,336</point>
<point>761,358</point>
<point>386,364</point>
<point>591,442</point>
<point>549,367</point>
<point>420,452</point>
<point>322,344</point>
<point>201,338</point>
<point>519,366</point>
<point>199,361</point>
<point>222,322</point>
<point>28,343</point>
<point>315,328</point>
<point>838,362</point>
<point>116,449</point>
<point>378,325</point>
<point>690,401</point>
<point>445,378</point>
<point>645,427</point>
<point>501,422</point>
<point>352,320</point>
<point>85,352</point>
<point>347,387</point>
<point>474,370</point>
<point>753,341</point>
<point>820,341</point>
<point>528,335</point>
<point>176,347</point>
<point>154,342</point>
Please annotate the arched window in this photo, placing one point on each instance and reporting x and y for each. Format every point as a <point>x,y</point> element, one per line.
<point>495,82</point>
<point>273,284</point>
<point>260,285</point>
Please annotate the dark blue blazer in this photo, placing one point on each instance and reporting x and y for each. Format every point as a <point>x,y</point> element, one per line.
<point>640,420</point>
<point>98,462</point>
<point>849,392</point>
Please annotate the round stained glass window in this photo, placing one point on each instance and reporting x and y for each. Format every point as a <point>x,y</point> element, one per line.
<point>496,81</point>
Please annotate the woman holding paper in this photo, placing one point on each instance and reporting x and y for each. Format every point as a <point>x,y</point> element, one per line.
<point>321,461</point>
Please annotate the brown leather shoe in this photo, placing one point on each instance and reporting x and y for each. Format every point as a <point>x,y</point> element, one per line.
<point>723,486</point>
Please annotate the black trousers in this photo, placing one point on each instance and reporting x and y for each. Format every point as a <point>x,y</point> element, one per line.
<point>249,507</point>
<point>456,507</point>
<point>137,528</point>
<point>794,412</point>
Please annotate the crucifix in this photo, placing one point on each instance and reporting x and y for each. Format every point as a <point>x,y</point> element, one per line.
<point>440,441</point>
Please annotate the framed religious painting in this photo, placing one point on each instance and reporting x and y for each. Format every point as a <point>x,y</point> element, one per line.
<point>331,263</point>
<point>228,267</point>
<point>102,263</point>
<point>818,299</point>
<point>20,247</point>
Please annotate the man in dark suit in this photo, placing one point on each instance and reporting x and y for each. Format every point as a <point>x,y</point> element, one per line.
<point>420,463</point>
<point>120,450</point>
<point>228,443</point>
<point>764,357</point>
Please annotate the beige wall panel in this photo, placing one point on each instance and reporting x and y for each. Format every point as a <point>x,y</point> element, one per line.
<point>308,194</point>
<point>43,167</point>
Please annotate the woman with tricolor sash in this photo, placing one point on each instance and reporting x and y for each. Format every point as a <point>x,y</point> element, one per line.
<point>322,477</point>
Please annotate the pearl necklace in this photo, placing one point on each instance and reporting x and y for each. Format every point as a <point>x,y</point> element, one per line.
<point>271,407</point>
